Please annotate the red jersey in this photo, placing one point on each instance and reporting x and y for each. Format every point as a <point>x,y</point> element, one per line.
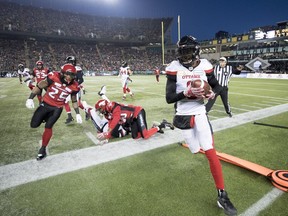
<point>40,74</point>
<point>57,92</point>
<point>121,114</point>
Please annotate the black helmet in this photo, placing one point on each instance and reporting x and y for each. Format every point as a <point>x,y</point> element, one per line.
<point>124,64</point>
<point>71,60</point>
<point>188,50</point>
<point>20,66</point>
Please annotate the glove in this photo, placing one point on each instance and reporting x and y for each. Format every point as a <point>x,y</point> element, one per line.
<point>194,92</point>
<point>210,95</point>
<point>102,136</point>
<point>30,103</point>
<point>78,118</point>
<point>198,92</point>
<point>102,142</point>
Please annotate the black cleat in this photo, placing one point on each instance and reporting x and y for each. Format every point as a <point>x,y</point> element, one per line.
<point>161,127</point>
<point>224,202</point>
<point>41,153</point>
<point>102,91</point>
<point>87,116</point>
<point>230,114</point>
<point>69,120</point>
<point>168,124</point>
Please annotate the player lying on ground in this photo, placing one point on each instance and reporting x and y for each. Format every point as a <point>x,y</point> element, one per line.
<point>114,120</point>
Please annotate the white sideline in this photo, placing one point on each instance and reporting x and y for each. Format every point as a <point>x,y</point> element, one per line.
<point>28,171</point>
<point>263,203</point>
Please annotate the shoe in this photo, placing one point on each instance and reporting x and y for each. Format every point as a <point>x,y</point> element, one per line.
<point>41,153</point>
<point>102,91</point>
<point>230,114</point>
<point>69,120</point>
<point>168,124</point>
<point>87,116</point>
<point>224,202</point>
<point>132,95</point>
<point>161,127</point>
<point>124,98</point>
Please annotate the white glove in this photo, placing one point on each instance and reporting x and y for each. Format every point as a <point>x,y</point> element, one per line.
<point>194,92</point>
<point>78,118</point>
<point>30,103</point>
<point>198,92</point>
<point>102,136</point>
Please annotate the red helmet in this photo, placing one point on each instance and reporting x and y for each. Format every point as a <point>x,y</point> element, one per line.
<point>39,63</point>
<point>69,72</point>
<point>68,69</point>
<point>102,106</point>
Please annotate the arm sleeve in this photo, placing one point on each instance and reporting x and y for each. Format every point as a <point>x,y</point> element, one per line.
<point>115,120</point>
<point>236,71</point>
<point>171,95</point>
<point>79,78</point>
<point>213,82</point>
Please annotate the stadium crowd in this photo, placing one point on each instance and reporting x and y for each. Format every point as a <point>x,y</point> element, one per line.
<point>92,55</point>
<point>90,34</point>
<point>15,17</point>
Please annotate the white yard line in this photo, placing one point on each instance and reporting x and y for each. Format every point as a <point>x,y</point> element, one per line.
<point>92,138</point>
<point>232,108</point>
<point>262,104</point>
<point>257,107</point>
<point>274,102</point>
<point>263,203</point>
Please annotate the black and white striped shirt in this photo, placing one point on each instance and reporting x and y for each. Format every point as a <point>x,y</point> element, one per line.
<point>223,74</point>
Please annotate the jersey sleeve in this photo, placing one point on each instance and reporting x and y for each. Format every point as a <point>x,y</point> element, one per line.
<point>171,95</point>
<point>116,118</point>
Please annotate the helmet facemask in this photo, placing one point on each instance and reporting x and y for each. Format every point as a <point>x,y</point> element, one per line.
<point>188,51</point>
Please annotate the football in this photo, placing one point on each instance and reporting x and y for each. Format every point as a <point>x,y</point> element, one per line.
<point>201,83</point>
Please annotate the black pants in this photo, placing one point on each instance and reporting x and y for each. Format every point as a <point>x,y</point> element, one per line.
<point>45,113</point>
<point>224,97</point>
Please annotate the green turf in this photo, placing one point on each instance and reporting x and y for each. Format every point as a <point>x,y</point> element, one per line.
<point>166,181</point>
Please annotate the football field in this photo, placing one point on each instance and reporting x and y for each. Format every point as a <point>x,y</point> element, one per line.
<point>143,177</point>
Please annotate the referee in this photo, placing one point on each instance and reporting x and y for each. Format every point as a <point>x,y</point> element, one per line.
<point>223,72</point>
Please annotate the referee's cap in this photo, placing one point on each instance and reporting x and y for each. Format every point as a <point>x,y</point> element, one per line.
<point>223,59</point>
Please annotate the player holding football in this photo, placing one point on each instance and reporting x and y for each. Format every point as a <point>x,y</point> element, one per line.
<point>190,114</point>
<point>125,73</point>
<point>40,73</point>
<point>58,85</point>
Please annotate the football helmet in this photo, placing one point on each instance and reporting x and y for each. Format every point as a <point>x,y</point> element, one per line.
<point>39,63</point>
<point>188,50</point>
<point>102,106</point>
<point>71,60</point>
<point>20,66</point>
<point>124,64</point>
<point>69,70</point>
